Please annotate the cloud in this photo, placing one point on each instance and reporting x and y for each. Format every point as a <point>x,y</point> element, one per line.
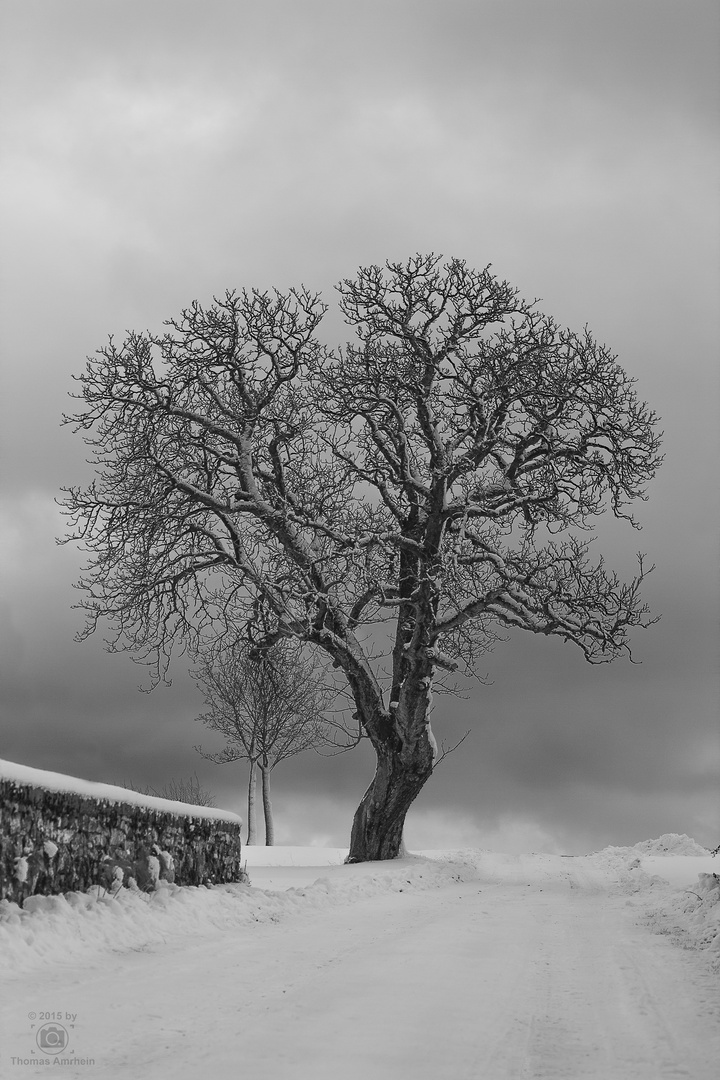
<point>157,152</point>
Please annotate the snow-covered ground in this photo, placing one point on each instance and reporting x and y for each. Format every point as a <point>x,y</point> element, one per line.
<point>463,964</point>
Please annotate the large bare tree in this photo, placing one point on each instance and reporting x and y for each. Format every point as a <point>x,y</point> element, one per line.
<point>269,705</point>
<point>394,502</point>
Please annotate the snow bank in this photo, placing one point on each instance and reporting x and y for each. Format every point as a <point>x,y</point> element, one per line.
<point>680,882</point>
<point>691,917</point>
<point>52,781</point>
<point>667,844</point>
<point>90,927</point>
<point>671,844</point>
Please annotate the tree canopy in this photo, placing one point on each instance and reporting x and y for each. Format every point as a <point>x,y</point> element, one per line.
<point>410,493</point>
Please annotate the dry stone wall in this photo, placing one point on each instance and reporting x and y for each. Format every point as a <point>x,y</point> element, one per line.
<point>61,841</point>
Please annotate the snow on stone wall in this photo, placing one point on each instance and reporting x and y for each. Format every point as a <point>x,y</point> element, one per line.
<point>52,781</point>
<point>61,834</point>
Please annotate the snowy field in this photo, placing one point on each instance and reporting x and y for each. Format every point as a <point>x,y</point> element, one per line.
<point>462,964</point>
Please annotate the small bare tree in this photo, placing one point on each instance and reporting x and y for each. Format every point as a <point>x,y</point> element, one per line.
<point>269,705</point>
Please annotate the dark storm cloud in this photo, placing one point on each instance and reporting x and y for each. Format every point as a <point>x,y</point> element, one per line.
<point>157,152</point>
<point>155,156</point>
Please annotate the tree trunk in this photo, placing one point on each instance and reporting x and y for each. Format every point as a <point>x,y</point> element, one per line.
<point>252,812</point>
<point>267,806</point>
<point>377,831</point>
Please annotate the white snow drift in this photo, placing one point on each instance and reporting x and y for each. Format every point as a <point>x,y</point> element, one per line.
<point>680,888</point>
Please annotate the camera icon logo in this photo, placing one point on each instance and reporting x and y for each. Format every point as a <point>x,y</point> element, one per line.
<point>52,1038</point>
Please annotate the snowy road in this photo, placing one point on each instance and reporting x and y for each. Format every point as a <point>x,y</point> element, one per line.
<point>538,969</point>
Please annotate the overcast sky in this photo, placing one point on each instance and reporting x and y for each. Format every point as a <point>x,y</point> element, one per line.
<point>158,151</point>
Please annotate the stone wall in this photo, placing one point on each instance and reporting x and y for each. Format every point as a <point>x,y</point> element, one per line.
<point>61,841</point>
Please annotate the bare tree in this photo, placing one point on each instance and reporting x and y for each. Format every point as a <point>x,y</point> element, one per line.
<point>394,503</point>
<point>269,706</point>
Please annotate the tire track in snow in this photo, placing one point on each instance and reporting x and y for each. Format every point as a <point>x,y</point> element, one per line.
<point>602,999</point>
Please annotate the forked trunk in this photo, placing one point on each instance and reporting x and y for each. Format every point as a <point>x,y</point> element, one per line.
<point>377,831</point>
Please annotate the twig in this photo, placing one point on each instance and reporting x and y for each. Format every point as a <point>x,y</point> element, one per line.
<point>445,751</point>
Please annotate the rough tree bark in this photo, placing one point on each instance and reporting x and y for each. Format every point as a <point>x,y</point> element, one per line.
<point>377,829</point>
